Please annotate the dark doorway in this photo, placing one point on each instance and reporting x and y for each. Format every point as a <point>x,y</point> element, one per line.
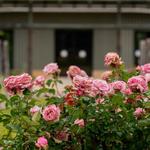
<point>73,47</point>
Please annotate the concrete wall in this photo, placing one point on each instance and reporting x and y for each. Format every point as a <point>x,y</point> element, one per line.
<point>104,41</point>
<point>127,49</point>
<point>43,48</point>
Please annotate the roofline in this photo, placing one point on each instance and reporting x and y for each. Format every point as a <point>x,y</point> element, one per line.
<point>125,10</point>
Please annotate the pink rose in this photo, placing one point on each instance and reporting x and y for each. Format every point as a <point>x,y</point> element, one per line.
<point>62,136</point>
<point>139,112</point>
<point>39,80</point>
<point>118,85</point>
<point>144,68</point>
<point>79,122</point>
<point>106,75</point>
<point>34,110</point>
<point>138,83</point>
<point>51,113</point>
<point>74,70</point>
<point>100,100</point>
<point>51,68</point>
<point>99,87</point>
<point>112,59</point>
<point>42,142</point>
<point>127,91</point>
<point>147,77</point>
<point>82,84</point>
<point>14,84</point>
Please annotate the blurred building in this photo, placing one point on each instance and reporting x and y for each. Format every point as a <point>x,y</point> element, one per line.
<point>78,32</point>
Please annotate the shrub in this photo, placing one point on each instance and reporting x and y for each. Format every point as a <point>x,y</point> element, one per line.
<point>90,114</point>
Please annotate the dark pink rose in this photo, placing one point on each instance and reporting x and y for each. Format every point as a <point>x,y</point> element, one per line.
<point>139,112</point>
<point>138,83</point>
<point>112,59</point>
<point>14,84</point>
<point>42,142</point>
<point>51,113</point>
<point>119,85</point>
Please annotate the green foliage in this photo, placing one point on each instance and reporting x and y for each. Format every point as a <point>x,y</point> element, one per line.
<point>109,125</point>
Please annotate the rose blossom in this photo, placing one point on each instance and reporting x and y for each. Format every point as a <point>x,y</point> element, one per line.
<point>138,83</point>
<point>99,87</point>
<point>144,68</point>
<point>51,113</point>
<point>35,109</point>
<point>118,85</point>
<point>51,68</point>
<point>42,142</point>
<point>74,70</point>
<point>100,100</point>
<point>83,84</point>
<point>39,80</point>
<point>69,99</point>
<point>62,136</point>
<point>147,77</point>
<point>112,59</point>
<point>139,112</point>
<point>106,75</point>
<point>127,91</point>
<point>79,122</point>
<point>18,83</point>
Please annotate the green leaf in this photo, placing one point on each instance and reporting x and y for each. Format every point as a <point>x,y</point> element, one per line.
<point>59,81</point>
<point>3,98</point>
<point>54,100</point>
<point>117,99</point>
<point>41,91</point>
<point>51,91</point>
<point>26,92</point>
<point>144,123</point>
<point>49,82</point>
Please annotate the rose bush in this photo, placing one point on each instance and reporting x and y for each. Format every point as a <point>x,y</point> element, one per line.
<point>90,114</point>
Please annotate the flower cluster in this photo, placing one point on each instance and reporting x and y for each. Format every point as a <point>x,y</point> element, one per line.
<point>16,84</point>
<point>82,115</point>
<point>112,59</point>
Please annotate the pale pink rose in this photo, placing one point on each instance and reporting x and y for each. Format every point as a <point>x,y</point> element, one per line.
<point>138,83</point>
<point>35,109</point>
<point>42,142</point>
<point>2,105</point>
<point>147,77</point>
<point>100,100</point>
<point>106,75</point>
<point>100,87</point>
<point>82,84</point>
<point>79,122</point>
<point>118,110</point>
<point>127,91</point>
<point>62,136</point>
<point>14,84</point>
<point>39,80</point>
<point>112,59</point>
<point>118,85</point>
<point>51,68</point>
<point>139,112</point>
<point>144,68</point>
<point>1,148</point>
<point>74,70</point>
<point>51,113</point>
